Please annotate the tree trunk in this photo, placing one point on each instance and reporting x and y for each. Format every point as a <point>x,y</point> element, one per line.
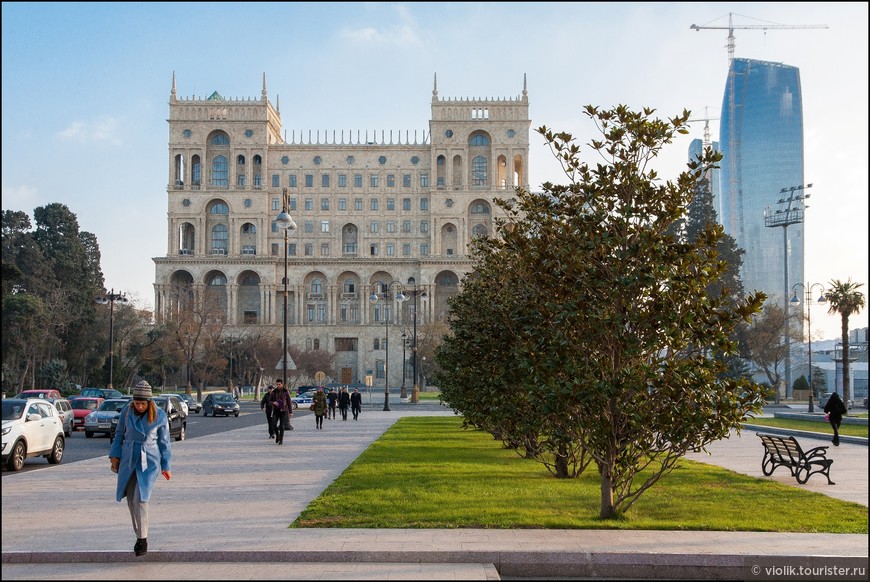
<point>562,463</point>
<point>844,330</point>
<point>606,470</point>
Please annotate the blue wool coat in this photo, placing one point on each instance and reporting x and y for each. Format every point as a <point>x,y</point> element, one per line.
<point>143,447</point>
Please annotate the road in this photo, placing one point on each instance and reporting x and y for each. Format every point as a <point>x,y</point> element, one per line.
<point>79,448</point>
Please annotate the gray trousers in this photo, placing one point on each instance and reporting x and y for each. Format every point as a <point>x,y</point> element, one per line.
<point>138,508</point>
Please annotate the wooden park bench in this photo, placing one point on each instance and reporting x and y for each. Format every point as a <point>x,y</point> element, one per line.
<point>786,452</point>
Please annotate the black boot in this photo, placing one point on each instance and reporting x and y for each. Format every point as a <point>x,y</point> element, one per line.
<point>141,547</point>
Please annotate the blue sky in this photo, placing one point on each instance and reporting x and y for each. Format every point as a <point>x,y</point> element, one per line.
<point>85,89</point>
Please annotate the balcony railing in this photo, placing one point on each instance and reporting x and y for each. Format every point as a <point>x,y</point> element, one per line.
<point>219,252</point>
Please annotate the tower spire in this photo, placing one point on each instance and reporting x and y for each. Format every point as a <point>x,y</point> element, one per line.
<point>173,84</point>
<point>525,86</point>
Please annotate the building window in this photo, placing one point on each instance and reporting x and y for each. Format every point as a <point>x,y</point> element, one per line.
<point>309,180</point>
<point>309,204</point>
<point>220,208</point>
<point>324,249</point>
<point>424,204</point>
<point>240,180</point>
<point>391,180</point>
<point>478,170</point>
<point>291,202</point>
<point>275,249</point>
<point>375,226</point>
<point>276,180</point>
<point>276,204</point>
<point>406,204</point>
<point>291,249</point>
<point>424,226</point>
<point>373,181</point>
<point>324,226</point>
<point>357,180</point>
<point>424,249</point>
<point>291,180</point>
<point>374,204</point>
<point>219,239</point>
<point>424,180</point>
<point>391,250</point>
<point>379,369</point>
<point>324,203</point>
<point>309,227</point>
<point>324,180</point>
<point>342,203</point>
<point>406,180</point>
<point>342,181</point>
<point>373,249</point>
<point>406,249</point>
<point>309,249</point>
<point>220,171</point>
<point>391,226</point>
<point>358,204</point>
<point>391,203</point>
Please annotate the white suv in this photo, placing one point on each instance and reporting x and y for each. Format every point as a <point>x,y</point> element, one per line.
<point>32,427</point>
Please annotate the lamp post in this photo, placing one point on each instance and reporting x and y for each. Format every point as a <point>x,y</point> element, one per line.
<point>808,290</point>
<point>404,392</point>
<point>384,289</point>
<point>415,392</point>
<point>110,298</point>
<point>285,222</point>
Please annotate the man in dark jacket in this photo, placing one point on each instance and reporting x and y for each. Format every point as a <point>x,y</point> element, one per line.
<point>266,405</point>
<point>343,402</point>
<point>332,400</point>
<point>356,403</point>
<point>835,410</point>
<point>282,409</point>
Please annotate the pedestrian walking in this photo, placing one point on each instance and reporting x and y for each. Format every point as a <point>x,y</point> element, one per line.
<point>356,403</point>
<point>332,400</point>
<point>834,411</point>
<point>266,406</point>
<point>282,410</point>
<point>343,402</point>
<point>320,405</point>
<point>139,452</point>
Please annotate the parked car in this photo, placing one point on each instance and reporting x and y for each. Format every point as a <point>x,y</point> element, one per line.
<point>104,393</point>
<point>823,399</point>
<point>181,401</point>
<point>303,389</point>
<point>176,416</point>
<point>193,404</point>
<point>105,418</point>
<point>47,394</point>
<point>82,407</point>
<point>31,428</point>
<point>220,403</point>
<point>64,409</point>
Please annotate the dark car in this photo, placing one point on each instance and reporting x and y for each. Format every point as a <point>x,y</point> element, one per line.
<point>175,414</point>
<point>104,393</point>
<point>192,404</point>
<point>220,403</point>
<point>105,418</point>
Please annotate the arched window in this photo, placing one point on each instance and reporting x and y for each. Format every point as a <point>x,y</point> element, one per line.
<point>479,140</point>
<point>478,170</point>
<point>220,139</point>
<point>316,286</point>
<point>480,208</point>
<point>240,160</point>
<point>219,208</point>
<point>217,280</point>
<point>195,171</point>
<point>349,286</point>
<point>249,228</point>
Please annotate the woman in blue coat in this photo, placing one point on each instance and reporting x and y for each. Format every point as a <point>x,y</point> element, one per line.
<point>140,450</point>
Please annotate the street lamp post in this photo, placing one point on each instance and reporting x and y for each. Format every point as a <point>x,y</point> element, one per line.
<point>808,290</point>
<point>384,288</point>
<point>404,393</point>
<point>285,222</point>
<point>415,392</point>
<point>110,298</point>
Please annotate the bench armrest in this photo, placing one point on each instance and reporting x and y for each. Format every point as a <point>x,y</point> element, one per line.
<point>816,452</point>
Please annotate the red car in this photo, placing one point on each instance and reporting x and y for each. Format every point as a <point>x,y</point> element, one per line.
<point>81,407</point>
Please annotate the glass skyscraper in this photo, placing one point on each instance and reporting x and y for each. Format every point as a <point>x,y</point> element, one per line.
<point>696,148</point>
<point>761,136</point>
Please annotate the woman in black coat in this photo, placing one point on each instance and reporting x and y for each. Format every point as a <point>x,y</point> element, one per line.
<point>835,410</point>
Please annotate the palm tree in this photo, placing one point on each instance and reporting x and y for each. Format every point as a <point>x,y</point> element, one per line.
<point>845,299</point>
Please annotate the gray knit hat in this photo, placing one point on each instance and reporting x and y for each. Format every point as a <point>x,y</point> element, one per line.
<point>142,391</point>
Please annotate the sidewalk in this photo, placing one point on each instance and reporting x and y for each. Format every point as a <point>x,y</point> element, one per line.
<point>217,519</point>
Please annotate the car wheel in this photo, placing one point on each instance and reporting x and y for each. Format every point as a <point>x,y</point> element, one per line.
<point>56,451</point>
<point>236,414</point>
<point>89,434</point>
<point>67,433</point>
<point>16,459</point>
<point>181,433</point>
<point>295,405</point>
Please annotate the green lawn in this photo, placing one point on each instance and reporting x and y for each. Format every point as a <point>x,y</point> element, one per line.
<point>812,426</point>
<point>427,472</point>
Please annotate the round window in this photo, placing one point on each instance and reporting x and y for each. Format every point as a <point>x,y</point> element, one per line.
<point>185,202</point>
<point>284,160</point>
<point>248,133</point>
<point>317,160</point>
<point>415,160</point>
<point>511,133</point>
<point>382,160</point>
<point>448,133</point>
<point>187,133</point>
<point>248,203</point>
<point>350,160</point>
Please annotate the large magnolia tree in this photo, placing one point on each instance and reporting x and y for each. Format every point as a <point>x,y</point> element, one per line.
<point>587,330</point>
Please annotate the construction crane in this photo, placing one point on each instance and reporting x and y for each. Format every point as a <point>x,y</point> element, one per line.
<point>731,26</point>
<point>706,119</point>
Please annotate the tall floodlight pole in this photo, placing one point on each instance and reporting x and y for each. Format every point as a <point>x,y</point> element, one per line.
<point>285,222</point>
<point>381,291</point>
<point>415,391</point>
<point>790,210</point>
<point>111,298</point>
<point>808,289</point>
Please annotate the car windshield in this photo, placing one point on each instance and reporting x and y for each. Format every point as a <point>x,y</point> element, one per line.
<point>12,409</point>
<point>222,398</point>
<point>83,404</point>
<point>112,405</point>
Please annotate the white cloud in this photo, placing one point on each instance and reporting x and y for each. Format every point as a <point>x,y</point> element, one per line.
<point>103,130</point>
<point>404,33</point>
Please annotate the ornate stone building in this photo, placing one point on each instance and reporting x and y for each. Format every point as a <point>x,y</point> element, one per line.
<point>375,212</point>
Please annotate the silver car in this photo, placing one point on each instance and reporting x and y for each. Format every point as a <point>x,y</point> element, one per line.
<point>64,409</point>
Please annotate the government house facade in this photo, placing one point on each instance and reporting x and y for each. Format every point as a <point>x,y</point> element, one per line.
<point>375,212</point>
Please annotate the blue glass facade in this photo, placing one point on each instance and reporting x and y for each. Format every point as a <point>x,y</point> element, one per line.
<point>761,135</point>
<point>696,148</point>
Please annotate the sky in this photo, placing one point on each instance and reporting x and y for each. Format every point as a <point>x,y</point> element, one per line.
<point>85,91</point>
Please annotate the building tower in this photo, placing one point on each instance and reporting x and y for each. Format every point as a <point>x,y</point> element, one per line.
<point>761,135</point>
<point>371,206</point>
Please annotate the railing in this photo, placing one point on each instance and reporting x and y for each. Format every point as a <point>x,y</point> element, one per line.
<point>219,252</point>
<point>186,252</point>
<point>249,250</point>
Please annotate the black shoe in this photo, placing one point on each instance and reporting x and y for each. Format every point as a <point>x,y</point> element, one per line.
<point>141,547</point>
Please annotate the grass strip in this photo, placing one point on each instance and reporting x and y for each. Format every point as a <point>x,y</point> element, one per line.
<point>428,472</point>
<point>822,426</point>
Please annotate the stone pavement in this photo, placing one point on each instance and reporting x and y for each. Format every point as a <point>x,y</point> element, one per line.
<point>225,514</point>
